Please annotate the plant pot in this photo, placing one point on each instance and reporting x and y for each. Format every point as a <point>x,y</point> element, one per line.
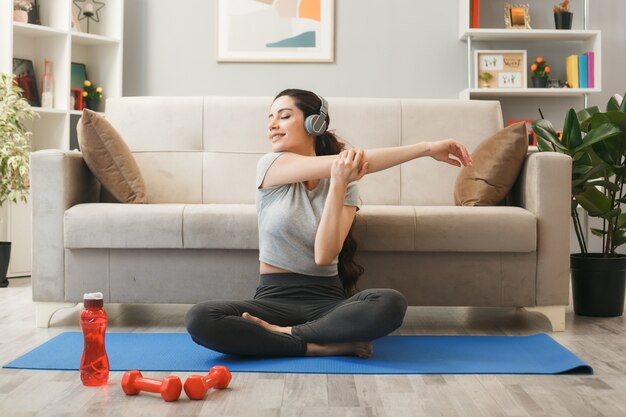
<point>539,82</point>
<point>598,284</point>
<point>5,257</point>
<point>20,16</point>
<point>563,20</point>
<point>92,104</point>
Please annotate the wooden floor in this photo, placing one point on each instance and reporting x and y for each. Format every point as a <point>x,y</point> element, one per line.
<point>600,342</point>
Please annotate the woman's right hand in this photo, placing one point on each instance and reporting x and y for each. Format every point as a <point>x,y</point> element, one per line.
<point>348,167</point>
<point>442,149</point>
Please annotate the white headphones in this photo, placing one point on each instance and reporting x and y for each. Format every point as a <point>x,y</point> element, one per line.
<point>315,124</point>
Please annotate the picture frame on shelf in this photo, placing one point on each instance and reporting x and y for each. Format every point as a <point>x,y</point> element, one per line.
<point>79,75</point>
<point>508,68</point>
<point>75,22</point>
<point>516,16</point>
<point>532,136</point>
<point>77,98</point>
<point>24,76</point>
<point>263,31</point>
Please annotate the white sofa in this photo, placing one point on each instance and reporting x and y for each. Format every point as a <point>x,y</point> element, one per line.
<point>197,237</point>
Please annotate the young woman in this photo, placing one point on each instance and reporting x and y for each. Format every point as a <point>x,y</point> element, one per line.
<point>307,198</point>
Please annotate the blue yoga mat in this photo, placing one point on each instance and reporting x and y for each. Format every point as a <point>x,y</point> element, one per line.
<point>535,354</point>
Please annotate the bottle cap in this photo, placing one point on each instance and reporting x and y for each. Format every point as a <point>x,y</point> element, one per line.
<point>93,299</point>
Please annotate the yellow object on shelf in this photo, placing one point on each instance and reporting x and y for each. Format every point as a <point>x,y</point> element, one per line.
<point>571,70</point>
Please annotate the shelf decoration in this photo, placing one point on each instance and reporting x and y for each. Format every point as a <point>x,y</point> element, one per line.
<point>24,73</point>
<point>562,16</point>
<point>540,70</point>
<point>88,9</point>
<point>507,68</point>
<point>516,16</point>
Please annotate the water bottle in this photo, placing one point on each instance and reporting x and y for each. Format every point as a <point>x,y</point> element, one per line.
<point>94,365</point>
<point>47,86</point>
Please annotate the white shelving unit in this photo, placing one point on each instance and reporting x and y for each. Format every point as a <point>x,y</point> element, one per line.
<point>574,41</point>
<point>55,39</point>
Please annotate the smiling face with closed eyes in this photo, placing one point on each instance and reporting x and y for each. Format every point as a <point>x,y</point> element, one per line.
<point>286,128</point>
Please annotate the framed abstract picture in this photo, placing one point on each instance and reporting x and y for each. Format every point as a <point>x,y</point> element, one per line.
<point>275,31</point>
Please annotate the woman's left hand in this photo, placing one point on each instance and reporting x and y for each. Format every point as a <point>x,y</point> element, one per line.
<point>441,151</point>
<point>348,166</point>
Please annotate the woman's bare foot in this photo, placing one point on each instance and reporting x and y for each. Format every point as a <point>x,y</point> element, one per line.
<point>363,350</point>
<point>268,326</point>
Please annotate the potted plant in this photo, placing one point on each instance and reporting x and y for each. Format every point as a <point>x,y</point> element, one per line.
<point>540,70</point>
<point>596,141</point>
<point>20,10</point>
<point>14,154</point>
<point>486,78</point>
<point>562,15</point>
<point>92,95</point>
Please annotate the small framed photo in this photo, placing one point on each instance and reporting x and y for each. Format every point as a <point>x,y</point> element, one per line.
<point>532,136</point>
<point>516,16</point>
<point>79,75</point>
<point>75,22</point>
<point>506,68</point>
<point>24,75</point>
<point>76,98</point>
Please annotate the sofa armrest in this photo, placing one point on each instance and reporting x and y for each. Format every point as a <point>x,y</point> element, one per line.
<point>59,180</point>
<point>544,188</point>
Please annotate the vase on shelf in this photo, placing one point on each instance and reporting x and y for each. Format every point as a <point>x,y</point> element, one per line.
<point>539,82</point>
<point>563,20</point>
<point>20,16</point>
<point>92,104</point>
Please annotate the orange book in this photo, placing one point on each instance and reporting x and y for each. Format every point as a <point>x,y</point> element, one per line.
<point>474,14</point>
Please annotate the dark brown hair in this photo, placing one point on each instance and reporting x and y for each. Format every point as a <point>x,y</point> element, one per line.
<point>329,144</point>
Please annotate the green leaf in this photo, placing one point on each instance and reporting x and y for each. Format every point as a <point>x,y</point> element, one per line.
<point>597,232</point>
<point>619,238</point>
<point>594,201</point>
<point>544,130</point>
<point>599,134</point>
<point>584,117</point>
<point>621,221</point>
<point>572,137</point>
<point>606,184</point>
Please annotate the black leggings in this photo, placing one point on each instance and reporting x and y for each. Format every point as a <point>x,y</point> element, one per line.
<point>315,307</point>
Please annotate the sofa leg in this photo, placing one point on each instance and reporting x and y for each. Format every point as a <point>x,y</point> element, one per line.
<point>554,314</point>
<point>44,311</point>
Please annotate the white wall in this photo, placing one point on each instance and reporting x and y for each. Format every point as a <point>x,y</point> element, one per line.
<point>383,48</point>
<point>389,48</point>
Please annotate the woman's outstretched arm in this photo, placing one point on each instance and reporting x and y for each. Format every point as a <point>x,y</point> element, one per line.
<point>292,168</point>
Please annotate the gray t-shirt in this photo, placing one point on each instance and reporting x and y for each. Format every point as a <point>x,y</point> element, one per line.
<point>288,218</point>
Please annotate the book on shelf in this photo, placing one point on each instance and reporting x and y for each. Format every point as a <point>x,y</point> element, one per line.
<point>590,69</point>
<point>474,14</point>
<point>582,71</point>
<point>571,71</point>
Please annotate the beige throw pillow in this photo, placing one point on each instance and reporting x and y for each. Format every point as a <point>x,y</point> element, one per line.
<point>496,163</point>
<point>109,158</point>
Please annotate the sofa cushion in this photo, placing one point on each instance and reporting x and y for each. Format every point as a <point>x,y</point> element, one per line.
<point>220,226</point>
<point>497,162</point>
<point>165,226</point>
<point>445,229</point>
<point>106,225</point>
<point>109,159</point>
